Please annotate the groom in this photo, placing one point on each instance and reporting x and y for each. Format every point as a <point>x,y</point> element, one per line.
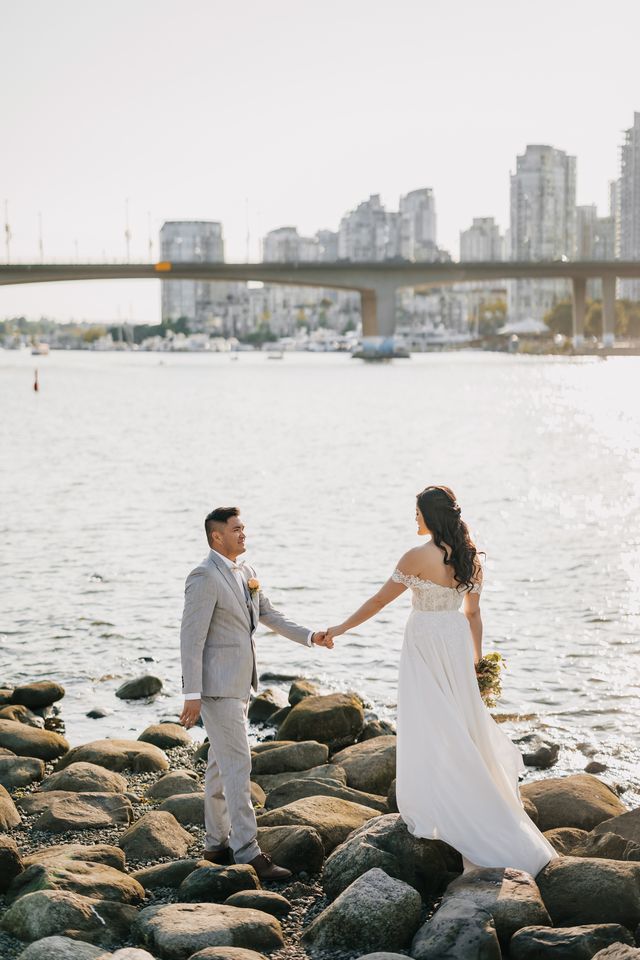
<point>223,604</point>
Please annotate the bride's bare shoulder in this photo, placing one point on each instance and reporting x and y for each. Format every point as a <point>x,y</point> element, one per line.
<point>411,561</point>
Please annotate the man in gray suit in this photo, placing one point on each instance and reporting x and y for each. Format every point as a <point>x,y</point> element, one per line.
<point>222,607</point>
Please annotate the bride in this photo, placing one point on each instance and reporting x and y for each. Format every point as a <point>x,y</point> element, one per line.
<point>457,771</point>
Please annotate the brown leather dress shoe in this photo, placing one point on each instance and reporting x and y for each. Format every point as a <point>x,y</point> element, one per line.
<point>267,869</point>
<point>222,857</point>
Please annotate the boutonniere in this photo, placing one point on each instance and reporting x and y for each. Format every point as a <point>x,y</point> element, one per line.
<point>253,585</point>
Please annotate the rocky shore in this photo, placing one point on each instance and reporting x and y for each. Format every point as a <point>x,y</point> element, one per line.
<point>101,846</point>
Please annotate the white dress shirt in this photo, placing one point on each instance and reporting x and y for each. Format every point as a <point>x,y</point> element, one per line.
<point>236,570</point>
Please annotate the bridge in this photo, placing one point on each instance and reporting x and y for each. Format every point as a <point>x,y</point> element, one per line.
<point>376,283</point>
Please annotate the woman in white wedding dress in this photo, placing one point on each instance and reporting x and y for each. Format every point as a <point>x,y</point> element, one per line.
<point>457,771</point>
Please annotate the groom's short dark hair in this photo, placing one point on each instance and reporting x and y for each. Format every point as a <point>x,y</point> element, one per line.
<point>219,515</point>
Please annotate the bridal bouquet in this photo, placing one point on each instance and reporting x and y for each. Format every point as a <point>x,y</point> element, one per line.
<point>488,672</point>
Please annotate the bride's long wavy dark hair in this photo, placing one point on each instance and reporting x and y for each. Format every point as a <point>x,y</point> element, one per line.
<point>442,515</point>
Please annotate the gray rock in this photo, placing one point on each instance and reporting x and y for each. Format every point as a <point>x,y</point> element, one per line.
<point>336,719</point>
<point>98,713</point>
<point>369,766</point>
<point>392,802</point>
<point>187,808</point>
<point>48,912</point>
<point>40,693</point>
<point>566,839</point>
<point>334,819</point>
<point>166,736</point>
<point>11,864</point>
<point>510,896</point>
<point>538,752</point>
<point>178,930</point>
<point>62,948</point>
<point>214,884</point>
<point>297,789</point>
<point>296,848</point>
<point>386,843</point>
<point>618,951</point>
<point>383,955</point>
<point>131,953</point>
<point>566,943</point>
<point>139,688</point>
<point>300,689</point>
<point>9,816</point>
<point>265,705</point>
<point>20,771</point>
<point>292,757</point>
<point>377,728</point>
<point>86,778</point>
<point>93,880</point>
<point>156,834</point>
<point>227,953</point>
<point>70,852</point>
<point>118,755</point>
<point>61,810</point>
<point>626,825</point>
<point>178,781</point>
<point>595,766</point>
<point>579,800</point>
<point>325,771</point>
<point>376,912</point>
<point>267,900</point>
<point>165,874</point>
<point>263,745</point>
<point>459,930</point>
<point>579,890</point>
<point>31,742</point>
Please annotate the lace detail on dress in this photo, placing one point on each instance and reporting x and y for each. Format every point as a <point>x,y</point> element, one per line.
<point>432,597</point>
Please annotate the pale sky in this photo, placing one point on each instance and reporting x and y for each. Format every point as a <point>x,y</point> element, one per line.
<point>295,110</point>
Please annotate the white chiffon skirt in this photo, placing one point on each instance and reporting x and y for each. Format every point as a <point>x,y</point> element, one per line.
<point>457,771</point>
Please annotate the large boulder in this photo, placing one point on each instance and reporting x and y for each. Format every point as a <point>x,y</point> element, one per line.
<point>376,912</point>
<point>618,951</point>
<point>300,689</point>
<point>565,839</point>
<point>334,819</point>
<point>118,755</point>
<point>47,912</point>
<point>62,948</point>
<point>336,719</point>
<point>295,756</point>
<point>267,900</point>
<point>326,771</point>
<point>93,880</point>
<point>608,846</point>
<point>566,943</point>
<point>9,816</point>
<point>11,864</point>
<point>178,930</point>
<point>139,688</point>
<point>86,778</point>
<point>20,771</point>
<point>377,728</point>
<point>386,843</point>
<point>178,781</point>
<point>264,705</point>
<point>209,883</point>
<point>165,874</point>
<point>187,808</point>
<point>61,810</point>
<point>28,741</point>
<point>579,800</point>
<point>297,789</point>
<point>21,715</point>
<point>155,835</point>
<point>626,825</point>
<point>64,853</point>
<point>38,694</point>
<point>296,848</point>
<point>459,930</point>
<point>166,736</point>
<point>370,765</point>
<point>510,896</point>
<point>579,890</point>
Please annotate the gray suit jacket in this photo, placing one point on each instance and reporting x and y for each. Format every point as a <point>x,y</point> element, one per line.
<point>216,637</point>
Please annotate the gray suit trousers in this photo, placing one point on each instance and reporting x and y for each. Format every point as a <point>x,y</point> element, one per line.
<point>227,783</point>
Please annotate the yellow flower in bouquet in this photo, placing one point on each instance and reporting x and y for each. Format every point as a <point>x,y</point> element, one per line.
<point>488,672</point>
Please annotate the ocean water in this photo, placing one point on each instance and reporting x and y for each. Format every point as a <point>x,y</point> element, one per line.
<point>109,470</point>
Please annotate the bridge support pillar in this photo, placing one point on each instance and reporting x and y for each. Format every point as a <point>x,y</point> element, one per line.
<point>608,310</point>
<point>579,297</point>
<point>378,310</point>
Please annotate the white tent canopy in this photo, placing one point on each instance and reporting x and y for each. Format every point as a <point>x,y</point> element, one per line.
<point>526,327</point>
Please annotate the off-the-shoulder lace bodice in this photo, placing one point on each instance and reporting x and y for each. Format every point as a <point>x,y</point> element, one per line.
<point>432,597</point>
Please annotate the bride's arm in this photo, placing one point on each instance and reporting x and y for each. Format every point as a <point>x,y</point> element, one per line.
<point>471,610</point>
<point>388,592</point>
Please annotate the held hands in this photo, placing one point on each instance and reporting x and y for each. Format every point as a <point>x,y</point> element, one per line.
<point>190,713</point>
<point>320,639</point>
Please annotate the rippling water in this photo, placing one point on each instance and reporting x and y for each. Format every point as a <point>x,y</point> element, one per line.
<point>109,470</point>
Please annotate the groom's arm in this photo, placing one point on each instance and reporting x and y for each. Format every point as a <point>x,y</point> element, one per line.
<point>200,597</point>
<point>272,618</point>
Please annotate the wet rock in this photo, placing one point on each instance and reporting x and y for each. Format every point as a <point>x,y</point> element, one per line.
<point>334,819</point>
<point>187,808</point>
<point>326,771</point>
<point>40,693</point>
<point>596,766</point>
<point>300,689</point>
<point>579,800</point>
<point>294,757</point>
<point>86,778</point>
<point>11,864</point>
<point>138,688</point>
<point>626,825</point>
<point>336,719</point>
<point>21,714</point>
<point>47,912</point>
<point>6,693</point>
<point>93,880</point>
<point>20,771</point>
<point>62,948</point>
<point>61,810</point>
<point>87,853</point>
<point>608,846</point>
<point>277,719</point>
<point>369,766</point>
<point>377,728</point>
<point>9,816</point>
<point>565,839</point>
<point>267,900</point>
<point>156,834</point>
<point>510,896</point>
<point>580,890</point>
<point>31,741</point>
<point>459,930</point>
<point>178,781</point>
<point>386,843</point>
<point>537,752</point>
<point>98,713</point>
<point>376,912</point>
<point>265,705</point>
<point>118,755</point>
<point>166,736</point>
<point>214,884</point>
<point>296,848</point>
<point>178,930</point>
<point>565,943</point>
<point>297,789</point>
<point>165,874</point>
